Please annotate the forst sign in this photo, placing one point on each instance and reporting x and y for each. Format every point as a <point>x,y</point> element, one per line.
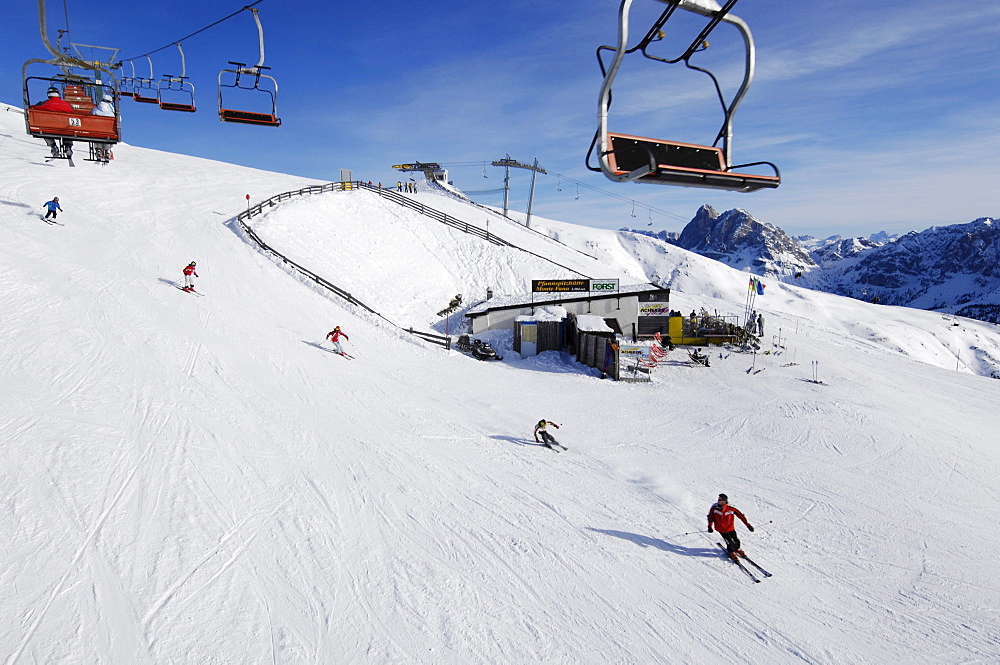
<point>604,285</point>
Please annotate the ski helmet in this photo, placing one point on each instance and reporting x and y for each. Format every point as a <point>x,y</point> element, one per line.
<point>192,264</point>
<point>53,92</point>
<point>723,497</point>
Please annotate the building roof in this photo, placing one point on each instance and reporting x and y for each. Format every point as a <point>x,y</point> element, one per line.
<point>543,299</point>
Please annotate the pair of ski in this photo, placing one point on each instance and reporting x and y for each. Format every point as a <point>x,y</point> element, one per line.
<point>551,445</point>
<point>52,221</point>
<point>68,158</point>
<point>349,357</point>
<point>736,558</point>
<point>190,290</point>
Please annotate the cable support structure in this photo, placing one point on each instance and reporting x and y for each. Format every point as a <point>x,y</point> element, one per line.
<point>638,204</point>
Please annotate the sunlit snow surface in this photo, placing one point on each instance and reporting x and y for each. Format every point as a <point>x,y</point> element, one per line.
<point>194,480</point>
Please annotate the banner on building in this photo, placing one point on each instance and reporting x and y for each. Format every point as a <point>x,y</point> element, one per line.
<point>604,285</point>
<point>654,309</point>
<point>574,285</point>
<point>560,285</point>
<point>635,351</point>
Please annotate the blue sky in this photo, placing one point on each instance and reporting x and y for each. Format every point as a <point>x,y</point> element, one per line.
<point>881,115</point>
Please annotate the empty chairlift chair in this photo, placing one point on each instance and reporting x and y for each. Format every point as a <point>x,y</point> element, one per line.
<point>176,93</point>
<point>627,158</point>
<point>145,90</point>
<point>250,78</point>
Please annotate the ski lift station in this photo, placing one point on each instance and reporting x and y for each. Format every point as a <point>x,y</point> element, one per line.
<point>550,318</point>
<point>632,311</point>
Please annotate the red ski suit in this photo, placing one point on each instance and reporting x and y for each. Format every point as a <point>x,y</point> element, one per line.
<point>721,517</point>
<point>189,270</point>
<point>55,104</point>
<point>335,335</point>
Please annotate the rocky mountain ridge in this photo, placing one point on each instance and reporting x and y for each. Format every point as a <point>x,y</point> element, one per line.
<point>952,269</point>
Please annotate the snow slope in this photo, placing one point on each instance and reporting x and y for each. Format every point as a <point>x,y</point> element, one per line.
<point>190,479</point>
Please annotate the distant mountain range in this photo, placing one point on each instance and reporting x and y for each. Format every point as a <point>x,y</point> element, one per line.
<point>952,269</point>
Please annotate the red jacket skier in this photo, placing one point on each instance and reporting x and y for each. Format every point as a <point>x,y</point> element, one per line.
<point>334,336</point>
<point>55,103</point>
<point>189,270</point>
<point>721,515</point>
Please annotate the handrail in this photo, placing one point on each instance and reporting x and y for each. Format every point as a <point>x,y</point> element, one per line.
<point>459,224</point>
<point>333,288</point>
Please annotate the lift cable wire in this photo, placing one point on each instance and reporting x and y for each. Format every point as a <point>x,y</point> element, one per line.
<point>196,32</point>
<point>580,183</point>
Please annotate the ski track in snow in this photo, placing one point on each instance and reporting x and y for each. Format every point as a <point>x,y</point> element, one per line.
<point>191,480</point>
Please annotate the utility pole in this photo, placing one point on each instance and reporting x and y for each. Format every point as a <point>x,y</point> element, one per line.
<point>508,164</point>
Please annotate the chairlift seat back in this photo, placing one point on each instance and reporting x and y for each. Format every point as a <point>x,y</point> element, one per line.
<point>176,106</point>
<point>677,163</point>
<point>54,124</point>
<point>249,118</point>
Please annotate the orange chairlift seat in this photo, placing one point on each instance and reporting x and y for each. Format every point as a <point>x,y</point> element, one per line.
<point>126,84</point>
<point>627,158</point>
<point>180,91</point>
<point>249,78</point>
<point>144,89</point>
<point>44,123</point>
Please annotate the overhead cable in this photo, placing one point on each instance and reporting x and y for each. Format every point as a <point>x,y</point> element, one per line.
<point>196,32</point>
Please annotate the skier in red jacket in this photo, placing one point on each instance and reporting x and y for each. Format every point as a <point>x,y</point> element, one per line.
<point>334,337</point>
<point>56,103</point>
<point>721,515</point>
<point>189,271</point>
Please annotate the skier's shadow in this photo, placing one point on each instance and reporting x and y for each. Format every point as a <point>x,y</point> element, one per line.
<point>318,346</point>
<point>168,282</point>
<point>647,541</point>
<point>517,440</point>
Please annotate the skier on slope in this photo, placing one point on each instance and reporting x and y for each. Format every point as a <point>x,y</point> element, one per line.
<point>720,516</point>
<point>53,206</point>
<point>189,274</point>
<point>334,337</point>
<point>547,439</point>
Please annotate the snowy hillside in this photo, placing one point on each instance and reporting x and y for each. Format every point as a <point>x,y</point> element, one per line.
<point>190,479</point>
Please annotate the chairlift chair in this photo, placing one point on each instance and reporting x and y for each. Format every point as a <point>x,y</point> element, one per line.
<point>61,128</point>
<point>79,125</point>
<point>126,84</point>
<point>145,90</point>
<point>627,158</point>
<point>249,78</point>
<point>177,87</point>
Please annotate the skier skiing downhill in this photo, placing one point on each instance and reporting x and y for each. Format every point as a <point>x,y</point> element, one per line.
<point>547,439</point>
<point>53,206</point>
<point>189,274</point>
<point>334,337</point>
<point>721,515</point>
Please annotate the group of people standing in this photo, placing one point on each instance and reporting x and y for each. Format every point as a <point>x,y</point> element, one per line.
<point>407,187</point>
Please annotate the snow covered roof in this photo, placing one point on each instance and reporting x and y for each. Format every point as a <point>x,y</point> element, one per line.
<point>546,313</point>
<point>542,299</point>
<point>592,323</point>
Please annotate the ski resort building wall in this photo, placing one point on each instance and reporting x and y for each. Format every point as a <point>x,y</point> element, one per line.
<point>635,312</point>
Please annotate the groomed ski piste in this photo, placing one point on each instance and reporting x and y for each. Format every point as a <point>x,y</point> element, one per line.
<point>192,480</point>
